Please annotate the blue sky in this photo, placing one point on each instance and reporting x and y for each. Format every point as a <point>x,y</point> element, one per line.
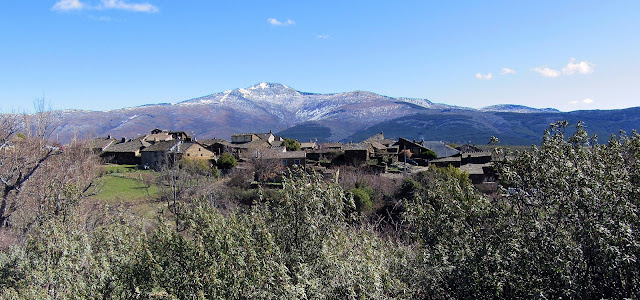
<point>107,54</point>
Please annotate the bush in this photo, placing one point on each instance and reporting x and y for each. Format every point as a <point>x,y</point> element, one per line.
<point>429,154</point>
<point>226,161</point>
<point>291,144</point>
<point>362,199</point>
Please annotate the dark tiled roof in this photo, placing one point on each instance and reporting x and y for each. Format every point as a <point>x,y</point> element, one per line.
<point>162,146</point>
<point>288,154</point>
<point>376,137</point>
<point>378,146</point>
<point>276,144</point>
<point>466,148</point>
<point>252,145</point>
<point>331,145</point>
<point>130,146</point>
<point>209,142</point>
<point>264,136</point>
<point>100,143</point>
<point>440,148</point>
<point>358,146</point>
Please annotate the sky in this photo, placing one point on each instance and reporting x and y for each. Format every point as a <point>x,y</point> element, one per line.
<point>109,54</point>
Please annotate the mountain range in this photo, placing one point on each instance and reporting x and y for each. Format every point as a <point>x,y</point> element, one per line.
<point>350,116</point>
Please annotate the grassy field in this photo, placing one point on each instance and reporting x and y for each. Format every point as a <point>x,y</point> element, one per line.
<point>125,185</point>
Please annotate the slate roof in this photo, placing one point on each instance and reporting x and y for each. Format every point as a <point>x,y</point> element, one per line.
<point>440,148</point>
<point>100,143</point>
<point>182,147</point>
<point>209,142</point>
<point>308,145</point>
<point>276,144</point>
<point>162,146</point>
<point>129,146</point>
<point>252,145</point>
<point>378,146</point>
<point>474,169</point>
<point>466,148</point>
<point>289,154</point>
<point>331,145</point>
<point>356,146</point>
<point>379,138</point>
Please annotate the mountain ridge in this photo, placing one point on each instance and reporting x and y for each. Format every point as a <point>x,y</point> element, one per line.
<point>338,116</point>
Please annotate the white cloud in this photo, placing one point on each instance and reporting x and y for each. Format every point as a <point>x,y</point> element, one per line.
<point>484,77</point>
<point>323,36</point>
<point>67,5</point>
<point>547,72</point>
<point>573,67</point>
<point>584,101</point>
<point>506,71</point>
<point>275,22</point>
<point>120,4</point>
<point>581,67</point>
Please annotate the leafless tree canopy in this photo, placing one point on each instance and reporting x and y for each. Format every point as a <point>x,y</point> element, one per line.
<point>39,178</point>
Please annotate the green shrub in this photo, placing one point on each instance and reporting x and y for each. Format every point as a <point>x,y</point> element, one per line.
<point>362,199</point>
<point>226,161</point>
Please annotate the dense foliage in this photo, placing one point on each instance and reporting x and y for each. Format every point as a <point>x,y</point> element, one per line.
<point>226,161</point>
<point>564,224</point>
<point>291,144</point>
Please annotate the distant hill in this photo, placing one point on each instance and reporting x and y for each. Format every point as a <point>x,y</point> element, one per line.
<point>517,109</point>
<point>349,116</point>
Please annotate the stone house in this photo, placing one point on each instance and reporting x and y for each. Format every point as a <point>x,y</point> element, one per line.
<point>358,153</point>
<point>127,152</point>
<point>158,155</point>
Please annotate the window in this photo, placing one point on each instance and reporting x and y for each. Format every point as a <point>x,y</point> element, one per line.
<point>296,161</point>
<point>284,162</point>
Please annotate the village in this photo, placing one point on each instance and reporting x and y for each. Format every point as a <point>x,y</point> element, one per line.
<point>377,154</point>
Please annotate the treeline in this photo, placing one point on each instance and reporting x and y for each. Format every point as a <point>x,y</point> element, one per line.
<point>564,224</point>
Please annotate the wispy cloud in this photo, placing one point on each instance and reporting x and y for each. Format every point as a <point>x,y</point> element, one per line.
<point>488,76</point>
<point>506,71</point>
<point>547,72</point>
<point>583,101</point>
<point>581,67</point>
<point>70,5</point>
<point>573,67</point>
<point>323,36</point>
<point>275,22</point>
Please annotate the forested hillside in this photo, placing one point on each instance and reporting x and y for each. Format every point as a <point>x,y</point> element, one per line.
<point>563,224</point>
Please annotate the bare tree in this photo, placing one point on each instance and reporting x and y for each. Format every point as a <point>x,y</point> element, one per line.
<point>37,177</point>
